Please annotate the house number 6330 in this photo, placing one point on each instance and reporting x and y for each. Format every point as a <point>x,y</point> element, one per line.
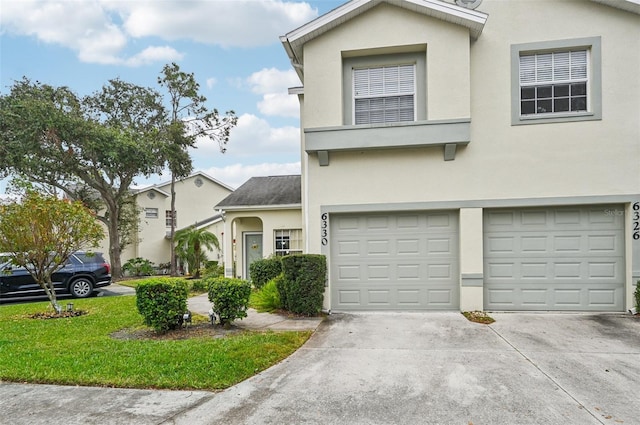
<point>636,221</point>
<point>324,225</point>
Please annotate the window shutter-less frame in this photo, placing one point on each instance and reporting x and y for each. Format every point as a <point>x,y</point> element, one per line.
<point>384,94</point>
<point>553,82</point>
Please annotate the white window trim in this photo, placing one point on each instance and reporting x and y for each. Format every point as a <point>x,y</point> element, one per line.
<point>384,94</point>
<point>151,213</point>
<point>594,86</point>
<point>409,55</point>
<point>288,233</point>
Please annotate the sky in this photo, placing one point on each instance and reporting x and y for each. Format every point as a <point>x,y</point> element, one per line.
<point>231,46</point>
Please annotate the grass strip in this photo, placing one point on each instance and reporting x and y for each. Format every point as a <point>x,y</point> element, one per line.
<point>81,350</point>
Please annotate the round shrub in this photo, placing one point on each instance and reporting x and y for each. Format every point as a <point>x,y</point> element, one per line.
<point>230,298</point>
<point>162,302</point>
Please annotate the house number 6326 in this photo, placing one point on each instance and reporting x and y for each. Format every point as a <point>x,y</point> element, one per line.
<point>324,225</point>
<point>636,221</point>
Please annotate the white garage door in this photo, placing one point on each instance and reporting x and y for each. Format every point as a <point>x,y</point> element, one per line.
<point>569,258</point>
<point>394,261</point>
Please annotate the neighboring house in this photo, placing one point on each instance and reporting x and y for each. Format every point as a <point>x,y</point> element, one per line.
<point>461,158</point>
<point>262,218</point>
<point>196,196</point>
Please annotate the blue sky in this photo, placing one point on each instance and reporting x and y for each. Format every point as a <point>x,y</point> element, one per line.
<point>232,47</point>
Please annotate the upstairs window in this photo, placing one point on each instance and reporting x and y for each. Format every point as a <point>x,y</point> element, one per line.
<point>151,213</point>
<point>555,82</point>
<point>384,94</point>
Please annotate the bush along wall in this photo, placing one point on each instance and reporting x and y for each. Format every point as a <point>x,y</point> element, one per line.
<point>230,298</point>
<point>262,271</point>
<point>638,297</point>
<point>304,279</point>
<point>162,302</point>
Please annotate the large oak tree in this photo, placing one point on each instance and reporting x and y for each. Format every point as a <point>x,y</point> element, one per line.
<point>97,144</point>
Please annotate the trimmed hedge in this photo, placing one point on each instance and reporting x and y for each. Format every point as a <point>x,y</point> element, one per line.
<point>303,286</point>
<point>162,302</point>
<point>230,298</point>
<point>638,297</point>
<point>262,271</point>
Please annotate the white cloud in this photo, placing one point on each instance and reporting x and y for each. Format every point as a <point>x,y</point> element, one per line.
<point>253,136</point>
<point>273,85</point>
<point>211,82</point>
<point>155,54</point>
<point>227,23</point>
<point>236,174</point>
<point>100,30</point>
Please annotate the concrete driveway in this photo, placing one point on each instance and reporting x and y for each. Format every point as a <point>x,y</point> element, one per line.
<point>396,368</point>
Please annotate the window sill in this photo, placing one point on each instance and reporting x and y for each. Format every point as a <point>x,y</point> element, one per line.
<point>447,133</point>
<point>555,118</point>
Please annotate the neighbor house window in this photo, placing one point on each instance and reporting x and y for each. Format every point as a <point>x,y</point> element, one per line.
<point>288,242</point>
<point>556,81</point>
<point>384,94</point>
<point>169,220</point>
<point>151,213</point>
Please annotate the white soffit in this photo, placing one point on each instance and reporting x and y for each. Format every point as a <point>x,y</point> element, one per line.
<point>294,40</point>
<point>628,5</point>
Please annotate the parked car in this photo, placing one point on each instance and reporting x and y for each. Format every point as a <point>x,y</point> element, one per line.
<point>79,277</point>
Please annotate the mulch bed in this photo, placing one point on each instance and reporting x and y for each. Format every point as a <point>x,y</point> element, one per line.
<point>199,330</point>
<point>54,315</point>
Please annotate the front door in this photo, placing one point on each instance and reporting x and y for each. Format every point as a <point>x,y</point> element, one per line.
<point>252,251</point>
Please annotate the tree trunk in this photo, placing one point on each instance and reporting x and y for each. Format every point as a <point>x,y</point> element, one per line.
<point>172,235</point>
<point>114,240</point>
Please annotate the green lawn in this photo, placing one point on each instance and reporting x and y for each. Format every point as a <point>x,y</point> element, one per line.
<point>81,351</point>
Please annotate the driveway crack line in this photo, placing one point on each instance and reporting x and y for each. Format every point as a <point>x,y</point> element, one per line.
<point>546,375</point>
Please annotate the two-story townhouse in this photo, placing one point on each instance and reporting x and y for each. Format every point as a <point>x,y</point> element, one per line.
<point>196,197</point>
<point>472,154</point>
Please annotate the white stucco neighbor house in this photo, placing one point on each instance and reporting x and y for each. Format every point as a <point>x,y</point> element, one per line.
<point>471,155</point>
<point>196,196</point>
<point>262,218</point>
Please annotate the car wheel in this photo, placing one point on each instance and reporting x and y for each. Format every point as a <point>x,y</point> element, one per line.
<point>81,288</point>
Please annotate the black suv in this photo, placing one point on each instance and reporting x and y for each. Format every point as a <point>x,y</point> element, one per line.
<point>83,272</point>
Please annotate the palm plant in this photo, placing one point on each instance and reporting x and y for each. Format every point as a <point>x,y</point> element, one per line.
<point>190,245</point>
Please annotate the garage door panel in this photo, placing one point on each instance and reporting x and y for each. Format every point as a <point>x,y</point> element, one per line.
<point>554,259</point>
<point>394,261</point>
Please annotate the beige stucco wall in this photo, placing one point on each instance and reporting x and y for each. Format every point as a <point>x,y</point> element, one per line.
<point>388,29</point>
<point>264,221</point>
<point>193,204</point>
<point>502,162</point>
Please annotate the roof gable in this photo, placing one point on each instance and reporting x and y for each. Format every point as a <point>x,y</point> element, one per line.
<point>270,191</point>
<point>628,5</point>
<point>294,40</point>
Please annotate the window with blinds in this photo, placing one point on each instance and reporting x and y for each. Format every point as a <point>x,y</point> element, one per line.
<point>553,82</point>
<point>384,94</point>
<point>288,242</point>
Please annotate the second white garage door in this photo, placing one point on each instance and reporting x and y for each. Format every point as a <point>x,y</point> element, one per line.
<point>563,258</point>
<point>394,261</point>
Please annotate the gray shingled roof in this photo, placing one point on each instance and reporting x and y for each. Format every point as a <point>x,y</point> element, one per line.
<point>265,191</point>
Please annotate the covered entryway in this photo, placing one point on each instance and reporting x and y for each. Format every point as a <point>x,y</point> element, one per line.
<point>560,258</point>
<point>394,261</point>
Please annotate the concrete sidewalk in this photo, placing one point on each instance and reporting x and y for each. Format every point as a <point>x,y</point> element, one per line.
<point>394,368</point>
